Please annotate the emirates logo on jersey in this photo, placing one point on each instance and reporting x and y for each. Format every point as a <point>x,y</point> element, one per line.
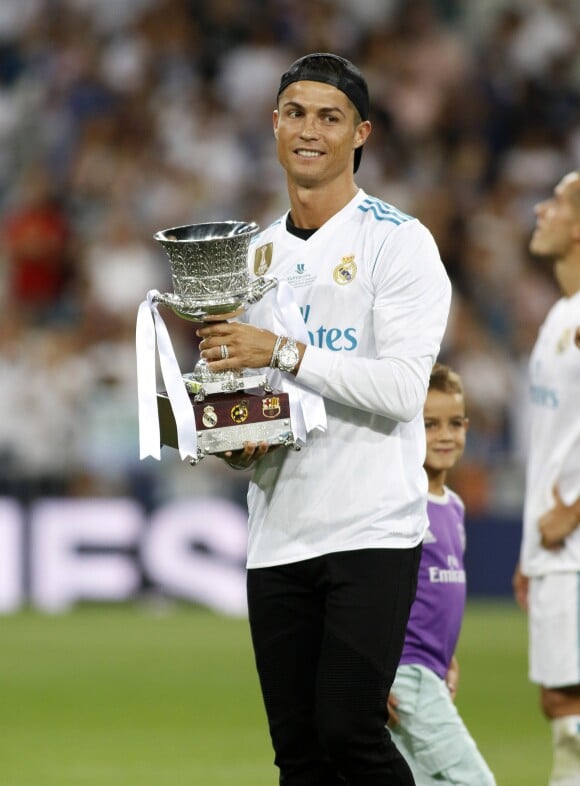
<point>345,272</point>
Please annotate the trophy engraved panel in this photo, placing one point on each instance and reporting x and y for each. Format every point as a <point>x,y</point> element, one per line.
<point>209,269</point>
<point>226,421</point>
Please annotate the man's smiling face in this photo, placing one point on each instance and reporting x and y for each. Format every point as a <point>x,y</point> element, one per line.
<point>317,129</point>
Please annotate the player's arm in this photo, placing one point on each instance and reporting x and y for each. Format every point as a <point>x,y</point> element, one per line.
<point>236,345</point>
<point>392,704</point>
<point>412,294</point>
<point>247,456</point>
<point>520,584</point>
<point>559,522</point>
<point>452,677</point>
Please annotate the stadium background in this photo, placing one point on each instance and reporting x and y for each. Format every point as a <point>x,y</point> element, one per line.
<point>122,117</point>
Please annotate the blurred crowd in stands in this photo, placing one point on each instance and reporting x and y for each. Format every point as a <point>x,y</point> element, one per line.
<point>122,117</point>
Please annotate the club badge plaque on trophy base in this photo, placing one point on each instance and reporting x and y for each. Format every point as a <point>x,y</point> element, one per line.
<point>210,276</point>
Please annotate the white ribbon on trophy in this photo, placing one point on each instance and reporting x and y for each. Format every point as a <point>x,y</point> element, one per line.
<point>307,410</point>
<point>151,333</point>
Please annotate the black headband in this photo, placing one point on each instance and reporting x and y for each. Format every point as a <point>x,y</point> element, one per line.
<point>336,71</point>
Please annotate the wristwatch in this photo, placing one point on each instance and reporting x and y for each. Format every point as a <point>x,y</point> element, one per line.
<point>287,356</point>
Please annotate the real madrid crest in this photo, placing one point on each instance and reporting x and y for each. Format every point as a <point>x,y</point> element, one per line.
<point>209,417</point>
<point>263,259</point>
<point>239,412</point>
<point>345,272</point>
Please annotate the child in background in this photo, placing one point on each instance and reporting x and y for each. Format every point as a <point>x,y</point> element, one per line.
<point>424,721</point>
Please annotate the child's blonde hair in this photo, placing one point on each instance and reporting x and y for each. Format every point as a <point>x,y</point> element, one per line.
<point>445,380</point>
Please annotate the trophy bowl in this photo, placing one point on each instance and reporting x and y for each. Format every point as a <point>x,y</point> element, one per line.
<point>209,269</point>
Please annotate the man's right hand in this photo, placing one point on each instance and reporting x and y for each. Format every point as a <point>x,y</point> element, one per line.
<point>520,584</point>
<point>392,704</point>
<point>245,458</point>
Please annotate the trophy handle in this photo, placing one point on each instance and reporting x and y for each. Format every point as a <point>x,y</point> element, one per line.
<point>259,287</point>
<point>198,310</point>
<point>194,312</point>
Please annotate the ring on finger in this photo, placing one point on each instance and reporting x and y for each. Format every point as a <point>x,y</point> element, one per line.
<point>224,351</point>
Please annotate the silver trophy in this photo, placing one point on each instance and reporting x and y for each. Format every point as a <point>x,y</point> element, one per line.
<point>210,276</point>
<point>209,272</point>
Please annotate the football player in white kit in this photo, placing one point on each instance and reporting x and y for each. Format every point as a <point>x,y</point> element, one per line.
<point>335,529</point>
<point>547,579</point>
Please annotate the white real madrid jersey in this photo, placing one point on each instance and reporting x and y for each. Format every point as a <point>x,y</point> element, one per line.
<point>375,297</point>
<point>554,439</point>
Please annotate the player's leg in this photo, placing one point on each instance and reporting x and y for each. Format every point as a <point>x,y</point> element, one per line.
<point>368,599</point>
<point>554,649</point>
<point>562,707</point>
<point>286,620</point>
<point>432,735</point>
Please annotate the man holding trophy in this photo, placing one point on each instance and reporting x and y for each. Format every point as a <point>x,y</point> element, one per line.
<point>335,529</point>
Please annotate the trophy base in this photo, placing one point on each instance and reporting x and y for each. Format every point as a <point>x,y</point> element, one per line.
<point>225,421</point>
<point>223,382</point>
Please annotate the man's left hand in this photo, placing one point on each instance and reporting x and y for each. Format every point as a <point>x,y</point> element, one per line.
<point>558,523</point>
<point>234,345</point>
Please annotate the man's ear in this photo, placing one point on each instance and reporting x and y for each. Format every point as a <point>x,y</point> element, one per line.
<point>275,118</point>
<point>362,133</point>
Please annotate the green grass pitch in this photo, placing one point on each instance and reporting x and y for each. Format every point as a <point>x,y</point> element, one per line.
<point>120,696</point>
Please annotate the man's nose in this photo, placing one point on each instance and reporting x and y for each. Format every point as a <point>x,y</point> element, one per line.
<point>309,127</point>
